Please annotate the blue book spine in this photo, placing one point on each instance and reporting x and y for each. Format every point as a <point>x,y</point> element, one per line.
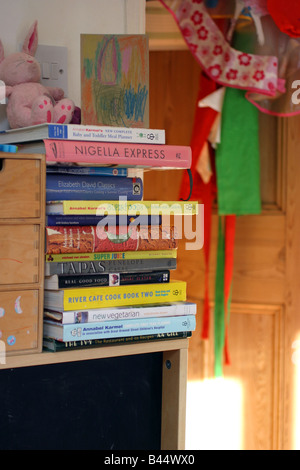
<point>57,131</point>
<point>88,188</point>
<point>132,327</point>
<point>86,170</point>
<point>86,220</point>
<point>8,148</point>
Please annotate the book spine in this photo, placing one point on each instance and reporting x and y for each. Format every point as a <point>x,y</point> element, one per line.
<point>125,313</point>
<point>86,170</point>
<point>122,207</point>
<point>82,187</point>
<point>100,239</point>
<point>144,155</point>
<point>112,279</point>
<point>8,148</point>
<point>122,328</point>
<point>98,297</point>
<point>108,256</point>
<point>53,345</point>
<point>106,133</point>
<point>109,266</point>
<point>84,220</point>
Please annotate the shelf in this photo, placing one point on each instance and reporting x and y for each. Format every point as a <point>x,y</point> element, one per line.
<point>37,359</point>
<point>174,351</point>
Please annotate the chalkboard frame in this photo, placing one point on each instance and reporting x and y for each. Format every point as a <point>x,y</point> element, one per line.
<point>174,378</point>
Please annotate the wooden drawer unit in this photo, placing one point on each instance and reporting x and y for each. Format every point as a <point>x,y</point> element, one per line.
<point>19,253</point>
<point>20,187</point>
<point>22,232</point>
<point>19,320</point>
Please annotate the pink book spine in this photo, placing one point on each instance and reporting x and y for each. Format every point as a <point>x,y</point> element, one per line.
<point>169,156</point>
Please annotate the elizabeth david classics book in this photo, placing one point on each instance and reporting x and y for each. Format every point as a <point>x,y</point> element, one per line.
<point>100,239</point>
<point>122,207</point>
<point>122,313</point>
<point>118,296</point>
<point>87,187</point>
<point>85,220</point>
<point>129,154</point>
<point>108,256</point>
<point>72,268</point>
<point>52,345</point>
<point>82,132</point>
<point>113,279</point>
<point>116,329</point>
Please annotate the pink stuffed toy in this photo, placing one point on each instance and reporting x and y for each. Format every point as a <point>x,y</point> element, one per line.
<point>29,102</point>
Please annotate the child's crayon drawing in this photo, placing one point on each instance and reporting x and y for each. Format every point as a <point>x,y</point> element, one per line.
<point>115,80</point>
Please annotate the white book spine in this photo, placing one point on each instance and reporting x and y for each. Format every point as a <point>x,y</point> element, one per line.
<point>127,313</point>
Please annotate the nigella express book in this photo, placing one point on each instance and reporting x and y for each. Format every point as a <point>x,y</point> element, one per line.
<point>86,187</point>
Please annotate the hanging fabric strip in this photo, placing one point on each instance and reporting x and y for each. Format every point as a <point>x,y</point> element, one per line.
<point>238,154</point>
<point>219,313</point>
<point>223,290</point>
<point>208,202</point>
<point>204,192</point>
<point>224,64</point>
<point>230,224</point>
<point>238,157</point>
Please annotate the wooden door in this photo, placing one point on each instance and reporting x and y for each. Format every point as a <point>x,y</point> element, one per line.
<point>265,318</point>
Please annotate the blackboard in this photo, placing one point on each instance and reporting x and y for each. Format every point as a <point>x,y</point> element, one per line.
<point>99,404</point>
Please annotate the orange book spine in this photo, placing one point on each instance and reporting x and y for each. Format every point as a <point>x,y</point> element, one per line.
<point>95,239</point>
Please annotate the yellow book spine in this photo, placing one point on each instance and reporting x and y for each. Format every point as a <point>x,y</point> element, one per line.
<point>65,257</point>
<point>130,207</point>
<point>98,297</point>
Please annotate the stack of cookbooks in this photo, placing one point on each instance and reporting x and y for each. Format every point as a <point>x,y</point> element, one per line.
<point>109,254</point>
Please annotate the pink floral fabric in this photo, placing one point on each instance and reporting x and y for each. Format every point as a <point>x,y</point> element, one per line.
<point>225,65</point>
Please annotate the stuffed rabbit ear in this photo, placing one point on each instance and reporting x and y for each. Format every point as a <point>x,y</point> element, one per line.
<point>1,51</point>
<point>31,40</point>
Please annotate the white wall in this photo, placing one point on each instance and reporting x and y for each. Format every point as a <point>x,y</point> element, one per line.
<point>60,23</point>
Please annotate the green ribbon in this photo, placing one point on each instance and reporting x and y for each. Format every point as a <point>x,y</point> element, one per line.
<point>238,157</point>
<point>219,314</point>
<point>238,154</point>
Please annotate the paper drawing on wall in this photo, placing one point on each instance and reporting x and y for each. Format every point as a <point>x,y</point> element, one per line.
<point>115,80</point>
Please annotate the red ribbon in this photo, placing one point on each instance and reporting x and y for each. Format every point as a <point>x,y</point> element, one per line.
<point>204,192</point>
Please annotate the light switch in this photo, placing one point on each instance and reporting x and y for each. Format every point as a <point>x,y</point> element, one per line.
<point>54,71</point>
<point>54,65</point>
<point>45,70</point>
